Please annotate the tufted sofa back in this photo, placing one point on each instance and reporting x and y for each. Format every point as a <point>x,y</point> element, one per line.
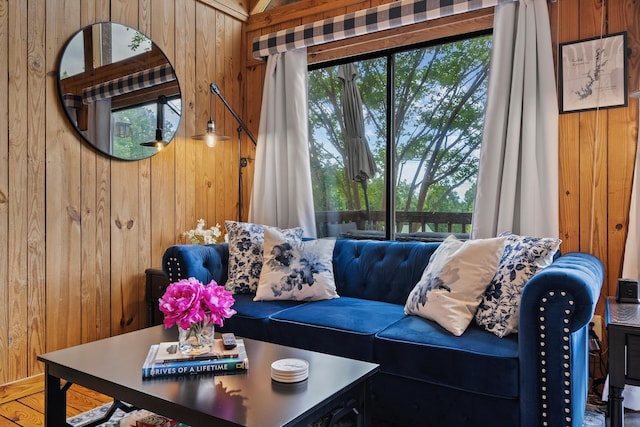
<point>204,262</point>
<point>369,269</point>
<point>379,270</point>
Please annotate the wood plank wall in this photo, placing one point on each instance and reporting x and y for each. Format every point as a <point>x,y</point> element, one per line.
<point>78,230</point>
<point>596,150</point>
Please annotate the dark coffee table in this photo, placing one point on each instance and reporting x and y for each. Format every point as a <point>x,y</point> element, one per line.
<point>113,367</point>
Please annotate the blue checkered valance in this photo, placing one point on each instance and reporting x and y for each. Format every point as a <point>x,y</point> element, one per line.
<point>136,81</point>
<point>384,17</point>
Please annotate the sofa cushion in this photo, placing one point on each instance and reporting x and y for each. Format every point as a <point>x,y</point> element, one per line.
<point>245,254</point>
<point>404,401</point>
<point>475,361</point>
<point>379,270</point>
<point>251,318</point>
<point>342,326</point>
<point>452,285</point>
<point>523,257</point>
<point>296,270</point>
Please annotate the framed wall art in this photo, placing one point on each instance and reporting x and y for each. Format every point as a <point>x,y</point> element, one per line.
<point>593,73</point>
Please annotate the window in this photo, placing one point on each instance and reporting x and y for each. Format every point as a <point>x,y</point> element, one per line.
<point>143,124</point>
<point>422,111</point>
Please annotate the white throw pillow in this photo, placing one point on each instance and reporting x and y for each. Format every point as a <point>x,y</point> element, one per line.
<point>296,270</point>
<point>245,254</point>
<point>523,257</point>
<point>452,285</point>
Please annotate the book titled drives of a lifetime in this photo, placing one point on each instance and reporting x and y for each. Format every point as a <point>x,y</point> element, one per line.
<point>164,360</point>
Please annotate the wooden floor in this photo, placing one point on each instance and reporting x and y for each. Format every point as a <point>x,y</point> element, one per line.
<point>22,402</point>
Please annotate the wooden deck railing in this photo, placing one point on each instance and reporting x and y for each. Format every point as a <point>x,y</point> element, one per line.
<point>336,223</point>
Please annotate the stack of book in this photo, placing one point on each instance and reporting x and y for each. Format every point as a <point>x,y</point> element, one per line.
<point>165,360</point>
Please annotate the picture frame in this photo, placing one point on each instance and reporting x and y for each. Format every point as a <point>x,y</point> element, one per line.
<point>593,73</point>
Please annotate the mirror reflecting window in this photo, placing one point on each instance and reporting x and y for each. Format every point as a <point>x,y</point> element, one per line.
<point>119,91</point>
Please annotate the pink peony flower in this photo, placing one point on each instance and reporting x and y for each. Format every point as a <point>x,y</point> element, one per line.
<point>188,301</point>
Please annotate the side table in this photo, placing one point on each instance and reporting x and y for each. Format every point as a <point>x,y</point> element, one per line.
<point>157,283</point>
<point>623,325</point>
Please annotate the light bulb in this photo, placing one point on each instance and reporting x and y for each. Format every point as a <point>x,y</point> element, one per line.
<point>210,140</point>
<point>211,134</point>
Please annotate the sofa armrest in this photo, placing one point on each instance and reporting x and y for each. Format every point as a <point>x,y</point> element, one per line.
<point>204,262</point>
<point>556,307</point>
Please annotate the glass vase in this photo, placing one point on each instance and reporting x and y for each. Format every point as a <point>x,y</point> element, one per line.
<point>196,340</point>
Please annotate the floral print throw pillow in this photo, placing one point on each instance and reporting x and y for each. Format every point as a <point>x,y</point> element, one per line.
<point>452,285</point>
<point>523,257</point>
<point>245,254</point>
<point>296,270</point>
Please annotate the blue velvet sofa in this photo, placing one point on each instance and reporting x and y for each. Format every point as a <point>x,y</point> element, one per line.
<point>429,377</point>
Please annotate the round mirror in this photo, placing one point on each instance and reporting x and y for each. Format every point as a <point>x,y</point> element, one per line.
<point>119,90</point>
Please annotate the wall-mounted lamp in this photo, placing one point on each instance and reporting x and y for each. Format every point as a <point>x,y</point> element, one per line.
<point>159,143</point>
<point>635,94</point>
<point>212,136</point>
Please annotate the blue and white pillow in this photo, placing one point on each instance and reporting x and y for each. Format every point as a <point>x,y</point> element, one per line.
<point>453,282</point>
<point>245,254</point>
<point>296,270</point>
<point>523,257</point>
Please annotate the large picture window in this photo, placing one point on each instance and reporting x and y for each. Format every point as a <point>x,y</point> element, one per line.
<point>421,114</point>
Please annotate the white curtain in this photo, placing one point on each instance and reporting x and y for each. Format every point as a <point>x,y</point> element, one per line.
<point>517,187</point>
<point>282,194</point>
<point>99,128</point>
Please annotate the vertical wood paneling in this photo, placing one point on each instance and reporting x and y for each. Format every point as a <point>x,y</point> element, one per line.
<point>602,143</point>
<point>4,194</point>
<point>95,232</point>
<point>234,43</point>
<point>103,227</point>
<point>137,313</point>
<point>253,83</point>
<point>568,141</point>
<point>105,220</point>
<point>226,160</point>
<point>63,242</point>
<point>18,187</point>
<point>248,100</point>
<point>593,182</point>
<point>127,184</point>
<point>162,206</point>
<point>593,154</point>
<point>206,166</point>
<point>36,82</point>
<point>89,265</point>
<point>254,77</point>
<point>185,153</point>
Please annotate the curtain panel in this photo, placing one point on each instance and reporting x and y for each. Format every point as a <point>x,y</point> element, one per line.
<point>282,195</point>
<point>517,186</point>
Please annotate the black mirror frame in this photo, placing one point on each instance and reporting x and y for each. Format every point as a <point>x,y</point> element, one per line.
<point>162,99</point>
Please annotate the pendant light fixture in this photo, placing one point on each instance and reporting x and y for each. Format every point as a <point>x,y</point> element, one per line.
<point>159,143</point>
<point>210,137</point>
